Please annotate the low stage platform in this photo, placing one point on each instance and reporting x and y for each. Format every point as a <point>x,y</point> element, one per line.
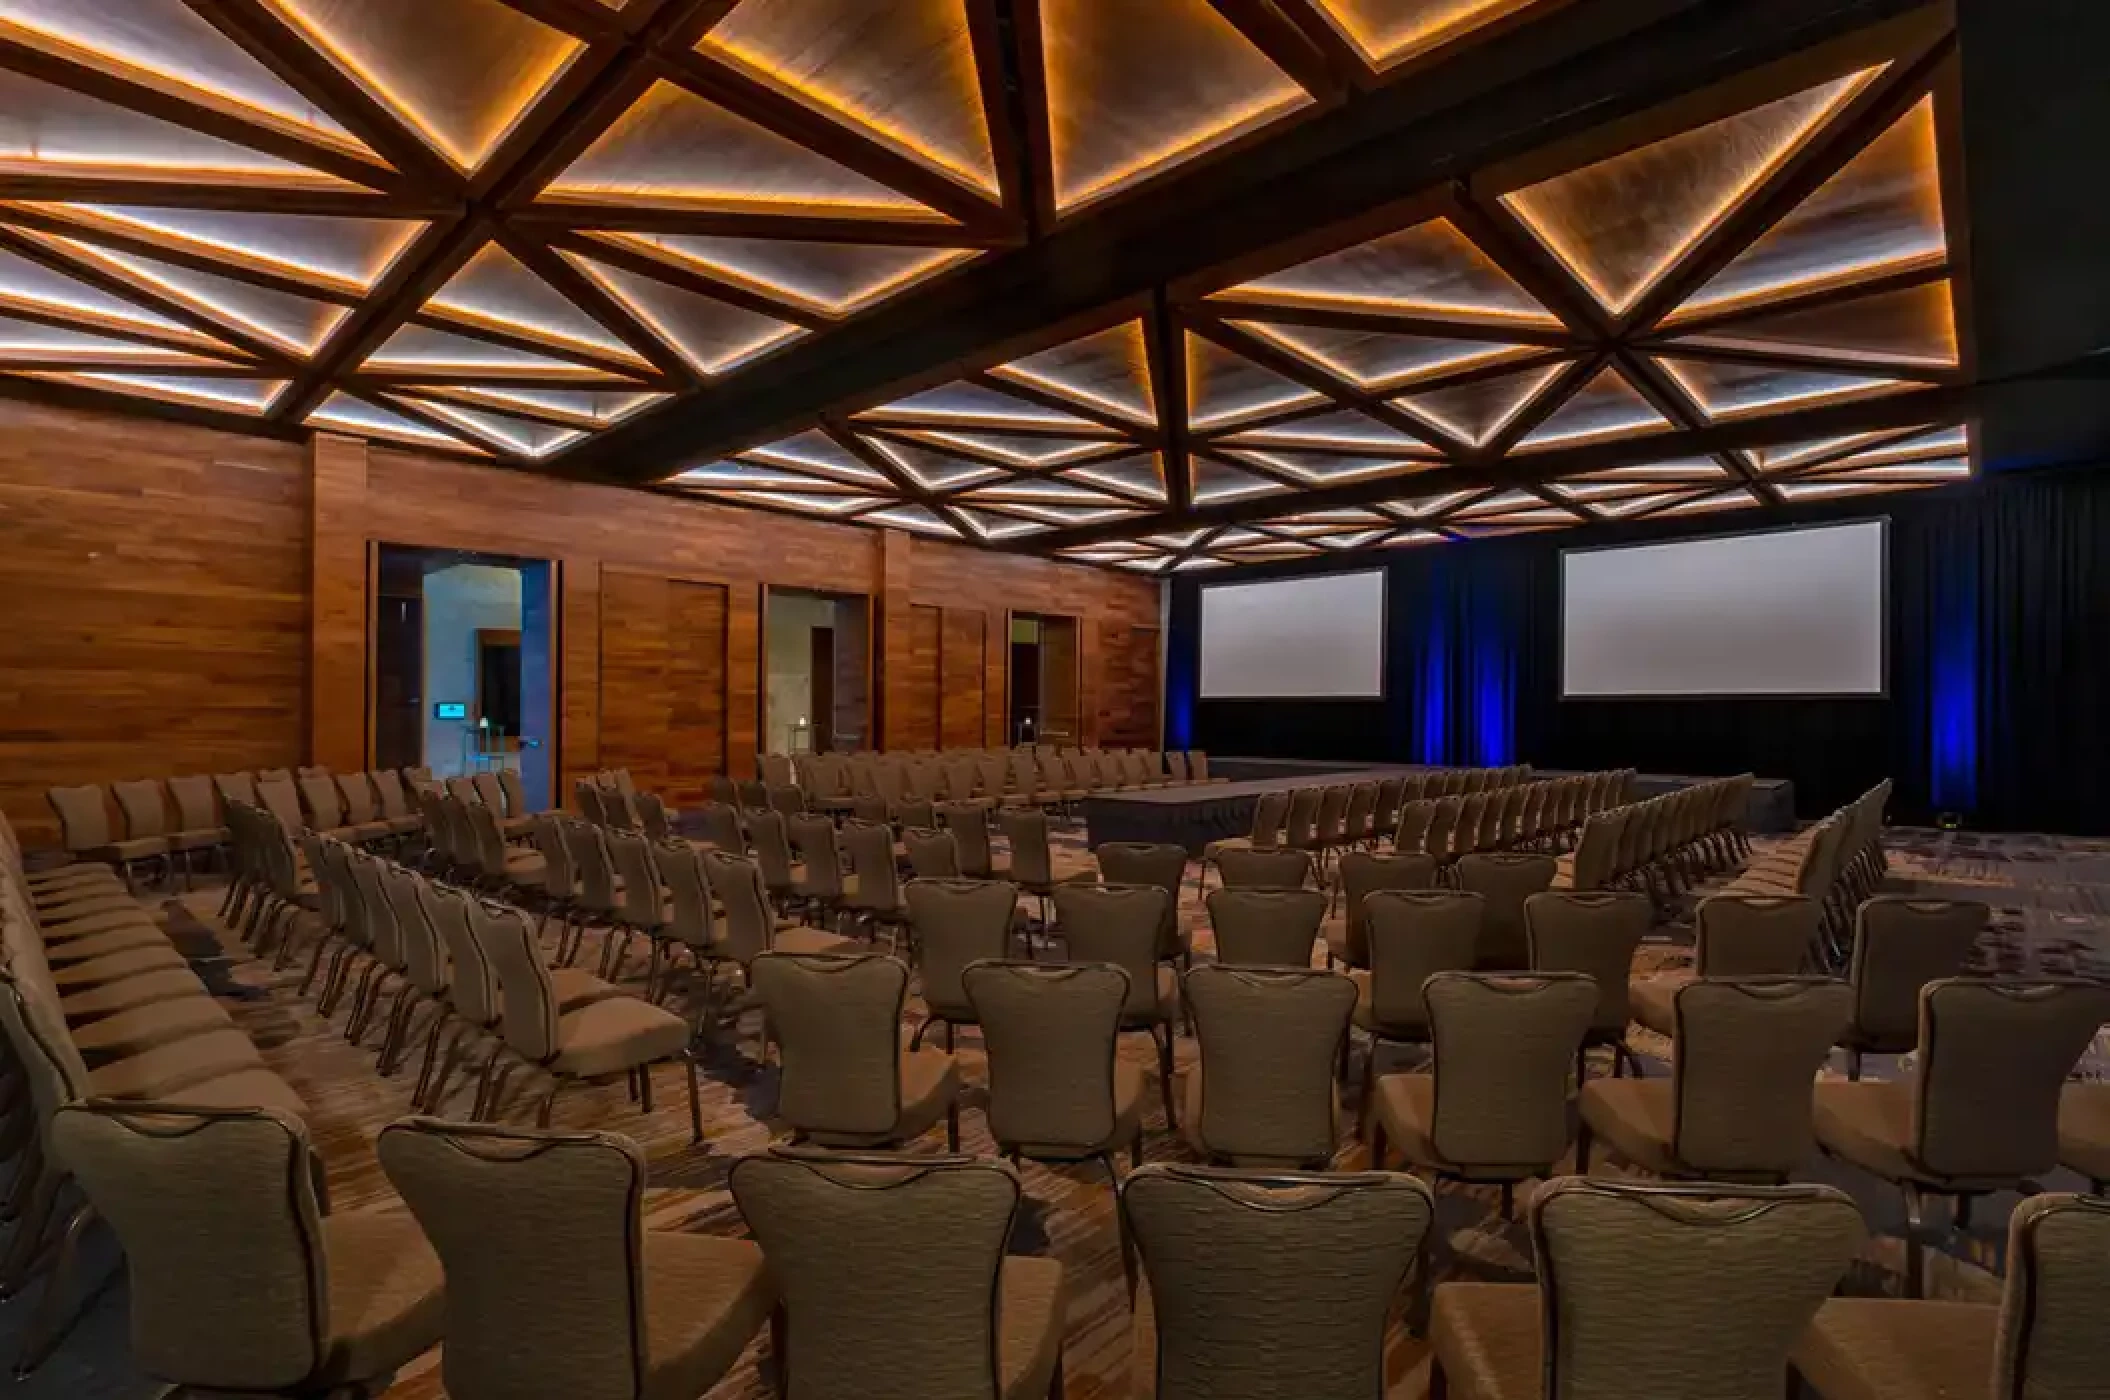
<point>1198,813</point>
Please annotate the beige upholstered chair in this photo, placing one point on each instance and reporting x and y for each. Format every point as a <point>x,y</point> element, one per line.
<point>1413,935</point>
<point>1981,1112</point>
<point>238,1281</point>
<point>1057,1088</point>
<point>86,829</point>
<point>968,821</point>
<point>1270,810</point>
<point>719,823</point>
<point>1593,932</point>
<point>198,824</point>
<point>956,922</point>
<point>1504,879</point>
<point>603,1038</point>
<point>846,1082</point>
<point>1737,1104</point>
<point>1496,1105</point>
<point>1734,935</point>
<point>1265,927</point>
<point>1149,863</point>
<point>1119,924</point>
<point>1415,815</point>
<point>895,1279</point>
<point>1361,875</point>
<point>1269,1285</point>
<point>932,855</point>
<point>1900,945</point>
<point>872,890</point>
<point>1267,869</point>
<point>2045,1339</point>
<point>555,1289</point>
<point>2084,1131</point>
<point>751,925</point>
<point>1701,1290</point>
<point>1263,1094</point>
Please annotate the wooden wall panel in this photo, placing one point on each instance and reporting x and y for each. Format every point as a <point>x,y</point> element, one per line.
<point>636,709</point>
<point>699,681</point>
<point>996,673</point>
<point>961,670</point>
<point>913,680</point>
<point>1129,693</point>
<point>155,616</point>
<point>182,599</point>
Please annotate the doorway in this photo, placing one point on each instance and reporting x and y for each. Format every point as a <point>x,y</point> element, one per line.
<point>1044,680</point>
<point>816,650</point>
<point>464,664</point>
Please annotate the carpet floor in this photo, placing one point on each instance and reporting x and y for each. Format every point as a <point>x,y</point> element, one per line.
<point>2052,914</point>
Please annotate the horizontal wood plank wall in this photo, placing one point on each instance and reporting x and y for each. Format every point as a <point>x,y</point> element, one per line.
<point>182,599</point>
<point>663,681</point>
<point>915,672</point>
<point>961,673</point>
<point>155,586</point>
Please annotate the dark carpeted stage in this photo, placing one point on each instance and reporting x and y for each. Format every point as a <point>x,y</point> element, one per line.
<point>1196,814</point>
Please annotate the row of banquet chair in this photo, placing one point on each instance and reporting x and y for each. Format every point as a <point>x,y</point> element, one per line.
<point>1838,862</point>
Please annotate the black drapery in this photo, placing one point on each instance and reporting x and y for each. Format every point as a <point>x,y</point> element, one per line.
<point>1999,666</point>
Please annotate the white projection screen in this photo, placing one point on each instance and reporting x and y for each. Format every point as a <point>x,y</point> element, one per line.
<point>1780,612</point>
<point>1303,638</point>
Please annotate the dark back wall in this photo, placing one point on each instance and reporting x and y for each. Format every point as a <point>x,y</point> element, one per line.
<point>1999,701</point>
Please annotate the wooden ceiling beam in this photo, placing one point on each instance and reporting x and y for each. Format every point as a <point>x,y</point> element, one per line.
<point>571,351</point>
<point>1390,322</point>
<point>1300,372</point>
<point>1919,273</point>
<point>1918,408</point>
<point>290,282</point>
<point>905,486</point>
<point>1517,251</point>
<point>1030,68</point>
<point>593,299</point>
<point>1165,348</point>
<point>464,396</point>
<point>1813,360</point>
<point>1543,405</point>
<point>89,323</point>
<point>186,193</point>
<point>691,278</point>
<point>1003,113</point>
<point>1289,47</point>
<point>586,215</point>
<point>495,376</point>
<point>1670,398</point>
<point>271,41</point>
<point>1144,434</point>
<point>425,418</point>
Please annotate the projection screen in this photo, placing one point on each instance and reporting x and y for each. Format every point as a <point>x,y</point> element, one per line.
<point>1781,612</point>
<point>1302,638</point>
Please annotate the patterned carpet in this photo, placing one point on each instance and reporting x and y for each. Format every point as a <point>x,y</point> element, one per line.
<point>2052,902</point>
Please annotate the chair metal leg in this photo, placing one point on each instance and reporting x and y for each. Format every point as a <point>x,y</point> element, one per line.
<point>644,1088</point>
<point>50,1324</point>
<point>1915,1245</point>
<point>1164,1043</point>
<point>549,1104</point>
<point>688,1062</point>
<point>952,1126</point>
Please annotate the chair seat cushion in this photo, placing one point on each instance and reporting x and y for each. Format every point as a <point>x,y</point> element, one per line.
<point>164,1070</point>
<point>1366,1019</point>
<point>575,987</point>
<point>203,838</point>
<point>1869,1123</point>
<point>704,1298</point>
<point>98,945</point>
<point>124,993</point>
<point>2084,1129</point>
<point>1894,1349</point>
<point>157,1023</point>
<point>96,971</point>
<point>1636,1118</point>
<point>1488,1339</point>
<point>1652,1001</point>
<point>1405,1105</point>
<point>1029,1325</point>
<point>798,938</point>
<point>87,903</point>
<point>387,1294</point>
<point>616,1033</point>
<point>245,1088</point>
<point>139,848</point>
<point>58,931</point>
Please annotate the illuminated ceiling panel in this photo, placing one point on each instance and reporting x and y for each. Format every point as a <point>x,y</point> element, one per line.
<point>1730,390</point>
<point>816,451</point>
<point>1386,32</point>
<point>33,342</point>
<point>420,347</point>
<point>496,289</point>
<point>1135,89</point>
<point>587,409</point>
<point>231,395</point>
<point>902,71</point>
<point>1139,476</point>
<point>342,411</point>
<point>1327,468</point>
<point>462,72</point>
<point>934,471</point>
<point>1379,359</point>
<point>1224,388</point>
<point>713,336</point>
<point>1914,326</point>
<point>174,44</point>
<point>1881,212</point>
<point>1217,481</point>
<point>48,129</point>
<point>348,251</point>
<point>955,404</point>
<point>1014,449</point>
<point>1431,268</point>
<point>1477,412</point>
<point>1606,407</point>
<point>834,278</point>
<point>1620,224</point>
<point>296,323</point>
<point>29,285</point>
<point>1109,371</point>
<point>675,148</point>
<point>516,435</point>
<point>1341,430</point>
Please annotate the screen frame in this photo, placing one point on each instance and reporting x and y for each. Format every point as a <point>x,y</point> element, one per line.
<point>1384,638</point>
<point>1883,602</point>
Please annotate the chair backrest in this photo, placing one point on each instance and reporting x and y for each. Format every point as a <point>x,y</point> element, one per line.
<point>472,988</point>
<point>1415,934</point>
<point>1505,879</point>
<point>1262,927</point>
<point>1594,932</point>
<point>2052,1340</point>
<point>630,853</point>
<point>769,831</point>
<point>719,823</point>
<point>969,824</point>
<point>489,792</point>
<point>1436,839</point>
<point>360,804</point>
<point>813,844</point>
<point>1333,812</point>
<point>1050,1030</point>
<point>595,865</point>
<point>750,924</point>
<point>1116,924</point>
<point>1269,1040</point>
<point>1302,819</point>
<point>957,922</point>
<point>223,1239</point>
<point>1269,812</point>
<point>1198,765</point>
<point>888,1269</point>
<point>837,1020</point>
<point>1413,832</point>
<point>1900,945</point>
<point>528,1003</point>
<point>145,808</point>
<point>1731,1275</point>
<point>593,803</point>
<point>1363,873</point>
<point>1280,868</point>
<point>690,916</point>
<point>235,787</point>
<point>385,936</point>
<point>870,846</point>
<point>1149,863</point>
<point>1504,1046</point>
<point>652,815</point>
<point>932,855</point>
<point>518,1219</point>
<point>84,816</point>
<point>325,808</point>
<point>1267,1285</point>
<point>515,792</point>
<point>1746,1052</point>
<point>1994,1055</point>
<point>1753,935</point>
<point>1032,863</point>
<point>424,960</point>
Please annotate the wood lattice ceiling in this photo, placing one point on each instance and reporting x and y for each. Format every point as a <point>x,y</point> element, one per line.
<point>499,226</point>
<point>1754,310</point>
